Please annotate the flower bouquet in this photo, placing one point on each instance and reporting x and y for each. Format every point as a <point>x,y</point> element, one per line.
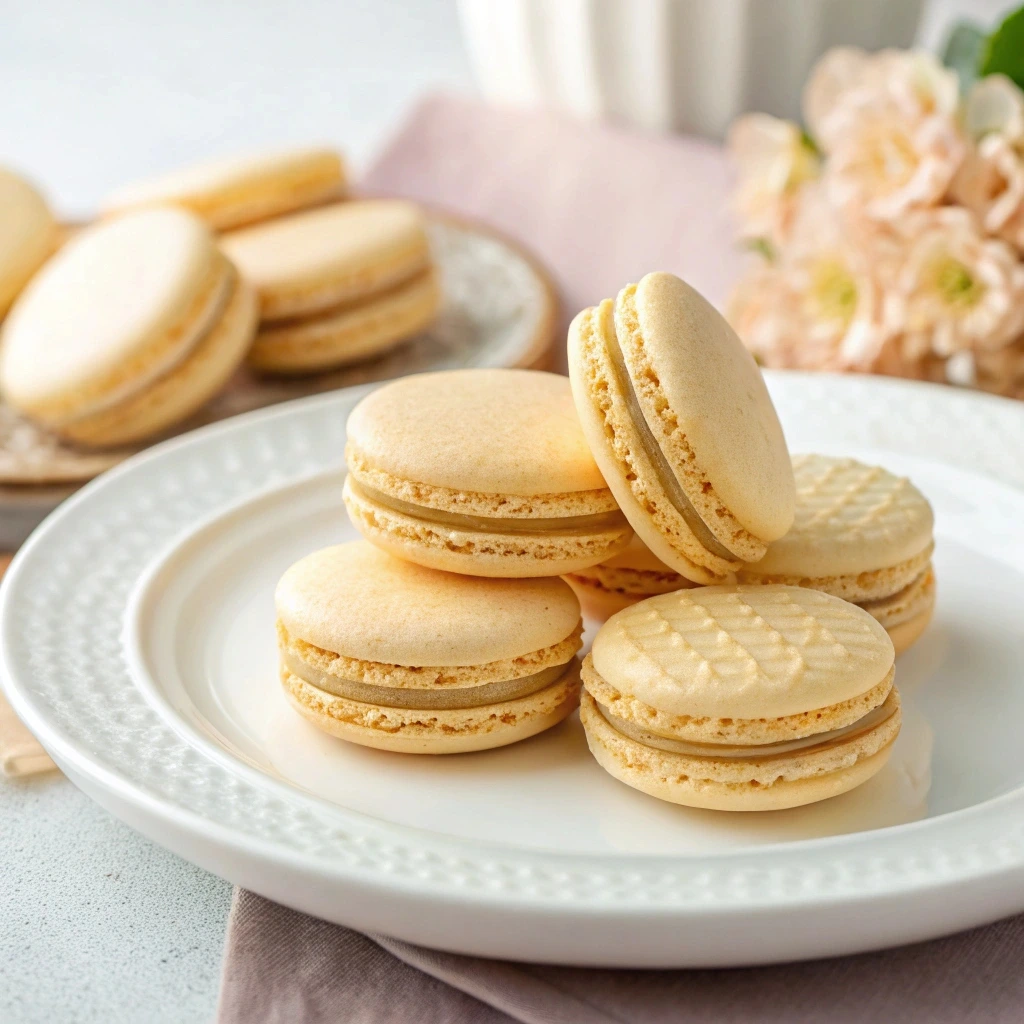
<point>889,229</point>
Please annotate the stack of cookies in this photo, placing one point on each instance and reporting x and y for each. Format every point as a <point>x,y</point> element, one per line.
<point>755,600</point>
<point>144,316</point>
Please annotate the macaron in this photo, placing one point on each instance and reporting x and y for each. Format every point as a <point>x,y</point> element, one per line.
<point>28,237</point>
<point>484,472</point>
<point>337,284</point>
<point>393,655</point>
<point>632,575</point>
<point>132,326</point>
<point>741,698</point>
<point>231,191</point>
<point>860,533</point>
<point>681,425</point>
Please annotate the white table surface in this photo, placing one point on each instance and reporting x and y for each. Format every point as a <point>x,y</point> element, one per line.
<point>97,923</point>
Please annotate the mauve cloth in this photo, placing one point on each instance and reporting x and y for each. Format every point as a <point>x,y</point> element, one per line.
<point>601,206</point>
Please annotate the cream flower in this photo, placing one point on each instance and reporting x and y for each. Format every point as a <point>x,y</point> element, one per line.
<point>848,82</point>
<point>773,160</point>
<point>884,163</point>
<point>839,70</point>
<point>821,312</point>
<point>956,290</point>
<point>991,184</point>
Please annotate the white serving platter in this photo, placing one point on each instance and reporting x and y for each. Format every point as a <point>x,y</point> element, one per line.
<point>136,629</point>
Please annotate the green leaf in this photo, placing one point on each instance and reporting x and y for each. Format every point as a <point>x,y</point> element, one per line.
<point>963,52</point>
<point>807,141</point>
<point>1004,52</point>
<point>762,246</point>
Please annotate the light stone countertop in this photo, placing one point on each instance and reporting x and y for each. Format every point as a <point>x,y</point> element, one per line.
<point>97,923</point>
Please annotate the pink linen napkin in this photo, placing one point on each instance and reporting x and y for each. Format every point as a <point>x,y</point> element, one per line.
<point>600,206</point>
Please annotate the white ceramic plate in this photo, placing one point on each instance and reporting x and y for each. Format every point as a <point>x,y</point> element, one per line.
<point>137,642</point>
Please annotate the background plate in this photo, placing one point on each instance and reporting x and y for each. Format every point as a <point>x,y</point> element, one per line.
<point>144,661</point>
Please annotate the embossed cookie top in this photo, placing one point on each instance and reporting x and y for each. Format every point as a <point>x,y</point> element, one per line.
<point>850,518</point>
<point>743,651</point>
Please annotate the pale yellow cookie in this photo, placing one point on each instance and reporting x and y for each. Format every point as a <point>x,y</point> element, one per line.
<point>860,533</point>
<point>741,697</point>
<point>389,654</point>
<point>228,192</point>
<point>28,234</point>
<point>483,472</point>
<point>681,424</point>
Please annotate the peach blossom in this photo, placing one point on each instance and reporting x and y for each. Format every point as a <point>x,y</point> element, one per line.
<point>773,161</point>
<point>956,289</point>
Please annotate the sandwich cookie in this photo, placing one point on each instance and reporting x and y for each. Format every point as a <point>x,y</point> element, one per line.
<point>680,422</point>
<point>484,472</point>
<point>860,533</point>
<point>630,576</point>
<point>28,236</point>
<point>130,328</point>
<point>232,191</point>
<point>392,655</point>
<point>337,284</point>
<point>741,698</point>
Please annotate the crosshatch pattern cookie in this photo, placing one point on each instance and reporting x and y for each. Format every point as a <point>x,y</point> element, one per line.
<point>741,698</point>
<point>860,533</point>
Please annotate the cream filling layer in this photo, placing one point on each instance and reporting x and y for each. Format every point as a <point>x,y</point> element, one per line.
<point>447,699</point>
<point>662,470</point>
<point>592,523</point>
<point>730,752</point>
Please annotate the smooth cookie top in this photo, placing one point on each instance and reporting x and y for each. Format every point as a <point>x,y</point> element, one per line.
<point>488,431</point>
<point>350,243</point>
<point>356,600</point>
<point>232,178</point>
<point>743,651</point>
<point>27,234</point>
<point>850,518</point>
<point>111,304</point>
<point>716,394</point>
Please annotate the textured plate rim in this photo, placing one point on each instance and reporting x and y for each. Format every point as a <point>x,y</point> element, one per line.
<point>926,855</point>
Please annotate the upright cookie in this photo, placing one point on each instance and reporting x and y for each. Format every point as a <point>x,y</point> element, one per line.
<point>741,698</point>
<point>337,284</point>
<point>484,472</point>
<point>681,424</point>
<point>28,234</point>
<point>131,327</point>
<point>231,191</point>
<point>863,534</point>
<point>389,654</point>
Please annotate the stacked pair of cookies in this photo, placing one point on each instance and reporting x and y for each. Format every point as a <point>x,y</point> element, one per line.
<point>140,319</point>
<point>721,692</point>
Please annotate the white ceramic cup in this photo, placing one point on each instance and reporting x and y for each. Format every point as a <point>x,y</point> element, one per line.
<point>668,65</point>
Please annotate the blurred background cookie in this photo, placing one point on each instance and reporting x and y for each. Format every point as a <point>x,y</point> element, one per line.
<point>28,234</point>
<point>130,328</point>
<point>233,191</point>
<point>337,284</point>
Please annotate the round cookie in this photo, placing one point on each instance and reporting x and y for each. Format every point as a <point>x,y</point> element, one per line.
<point>484,472</point>
<point>860,533</point>
<point>336,284</point>
<point>681,424</point>
<point>630,576</point>
<point>131,327</point>
<point>741,698</point>
<point>28,237</point>
<point>389,654</point>
<point>231,191</point>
